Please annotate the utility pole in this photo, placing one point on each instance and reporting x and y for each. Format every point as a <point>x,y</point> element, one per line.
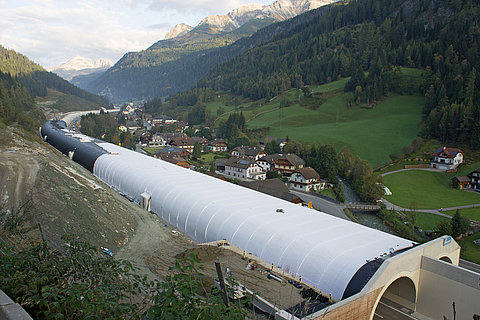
<point>222,282</point>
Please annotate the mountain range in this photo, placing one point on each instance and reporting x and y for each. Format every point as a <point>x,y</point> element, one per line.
<point>173,64</point>
<point>79,65</point>
<point>280,10</point>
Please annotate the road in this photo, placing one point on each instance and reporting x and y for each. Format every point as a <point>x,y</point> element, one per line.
<point>469,265</point>
<point>387,309</point>
<point>323,205</point>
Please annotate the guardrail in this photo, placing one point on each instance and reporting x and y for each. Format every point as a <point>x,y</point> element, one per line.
<point>363,206</point>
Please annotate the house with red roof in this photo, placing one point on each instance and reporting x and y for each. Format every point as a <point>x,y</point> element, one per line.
<point>447,158</point>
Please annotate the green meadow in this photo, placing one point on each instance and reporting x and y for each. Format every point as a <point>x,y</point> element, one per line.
<point>431,190</point>
<point>373,134</point>
<point>428,221</point>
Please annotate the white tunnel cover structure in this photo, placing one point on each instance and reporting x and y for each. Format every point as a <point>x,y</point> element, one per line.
<point>326,251</point>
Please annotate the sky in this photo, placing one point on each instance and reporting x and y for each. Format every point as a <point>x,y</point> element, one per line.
<point>51,32</point>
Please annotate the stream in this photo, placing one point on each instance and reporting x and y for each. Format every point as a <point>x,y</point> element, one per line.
<point>366,218</point>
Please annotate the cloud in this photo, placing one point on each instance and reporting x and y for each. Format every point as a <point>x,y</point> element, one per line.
<point>206,7</point>
<point>160,26</point>
<point>51,32</point>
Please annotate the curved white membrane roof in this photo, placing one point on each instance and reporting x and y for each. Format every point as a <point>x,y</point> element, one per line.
<point>326,251</point>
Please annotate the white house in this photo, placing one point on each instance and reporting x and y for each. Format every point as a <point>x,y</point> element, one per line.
<point>243,169</point>
<point>447,158</point>
<point>217,145</point>
<point>158,140</point>
<point>306,179</point>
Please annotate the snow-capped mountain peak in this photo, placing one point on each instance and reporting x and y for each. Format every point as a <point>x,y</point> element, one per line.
<point>79,63</point>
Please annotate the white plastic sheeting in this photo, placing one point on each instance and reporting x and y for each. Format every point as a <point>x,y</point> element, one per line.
<point>326,251</point>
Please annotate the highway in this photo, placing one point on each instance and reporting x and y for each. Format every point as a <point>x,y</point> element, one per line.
<point>323,205</point>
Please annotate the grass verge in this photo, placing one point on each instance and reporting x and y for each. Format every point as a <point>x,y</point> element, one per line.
<point>470,251</point>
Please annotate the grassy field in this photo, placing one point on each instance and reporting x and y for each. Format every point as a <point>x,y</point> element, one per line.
<point>429,189</point>
<point>151,150</point>
<point>328,193</point>
<point>428,221</point>
<point>373,134</point>
<point>470,251</point>
<point>370,133</point>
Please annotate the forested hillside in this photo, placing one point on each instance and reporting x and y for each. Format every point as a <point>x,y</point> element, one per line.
<point>172,65</point>
<point>16,104</point>
<point>36,79</point>
<point>21,80</point>
<point>374,36</point>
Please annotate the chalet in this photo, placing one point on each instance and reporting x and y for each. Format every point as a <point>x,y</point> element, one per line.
<point>284,163</point>
<point>243,169</point>
<point>264,141</point>
<point>247,152</point>
<point>447,158</point>
<point>175,160</point>
<point>158,140</point>
<point>143,135</point>
<point>474,178</point>
<point>306,179</point>
<point>217,145</point>
<point>461,182</point>
<point>183,143</point>
<point>200,140</point>
<point>147,117</point>
<point>175,151</point>
<point>274,187</point>
<point>220,165</point>
<point>132,126</point>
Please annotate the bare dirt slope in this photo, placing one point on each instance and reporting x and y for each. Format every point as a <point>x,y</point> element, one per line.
<point>67,199</point>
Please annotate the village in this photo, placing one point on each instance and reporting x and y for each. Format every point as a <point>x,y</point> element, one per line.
<point>249,166</point>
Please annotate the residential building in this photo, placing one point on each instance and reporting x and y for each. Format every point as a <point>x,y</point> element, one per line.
<point>306,179</point>
<point>132,126</point>
<point>243,169</point>
<point>217,145</point>
<point>461,182</point>
<point>274,187</point>
<point>183,143</point>
<point>175,160</point>
<point>447,158</point>
<point>174,151</point>
<point>247,152</point>
<point>264,141</point>
<point>158,140</point>
<point>143,136</point>
<point>220,165</point>
<point>474,178</point>
<point>162,120</point>
<point>284,163</point>
<point>216,175</point>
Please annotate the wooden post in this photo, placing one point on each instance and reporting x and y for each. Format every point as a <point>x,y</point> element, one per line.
<point>222,282</point>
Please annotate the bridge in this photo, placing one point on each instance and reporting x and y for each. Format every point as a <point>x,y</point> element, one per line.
<point>363,206</point>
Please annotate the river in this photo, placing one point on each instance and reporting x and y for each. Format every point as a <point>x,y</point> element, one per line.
<point>366,218</point>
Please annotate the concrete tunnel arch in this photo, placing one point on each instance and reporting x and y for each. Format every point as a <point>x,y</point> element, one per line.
<point>446,259</point>
<point>402,291</point>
